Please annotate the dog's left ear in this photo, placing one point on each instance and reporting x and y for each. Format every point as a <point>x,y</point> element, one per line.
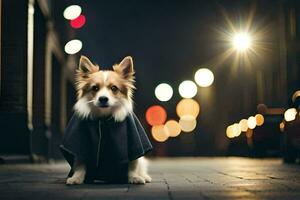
<point>86,66</point>
<point>125,68</point>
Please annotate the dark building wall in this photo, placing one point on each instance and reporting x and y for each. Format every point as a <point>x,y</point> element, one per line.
<point>13,103</point>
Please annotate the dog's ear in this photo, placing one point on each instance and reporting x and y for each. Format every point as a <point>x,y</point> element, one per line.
<point>86,66</point>
<point>125,68</point>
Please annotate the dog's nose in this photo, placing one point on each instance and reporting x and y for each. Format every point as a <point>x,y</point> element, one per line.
<point>103,99</point>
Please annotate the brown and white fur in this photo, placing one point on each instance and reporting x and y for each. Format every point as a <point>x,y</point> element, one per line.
<point>106,93</point>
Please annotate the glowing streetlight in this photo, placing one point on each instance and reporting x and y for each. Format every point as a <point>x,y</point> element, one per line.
<point>242,41</point>
<point>163,92</point>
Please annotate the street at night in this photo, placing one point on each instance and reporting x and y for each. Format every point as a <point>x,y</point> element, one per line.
<point>173,178</point>
<point>207,90</point>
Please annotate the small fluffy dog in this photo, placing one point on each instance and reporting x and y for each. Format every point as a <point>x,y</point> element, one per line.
<point>104,105</point>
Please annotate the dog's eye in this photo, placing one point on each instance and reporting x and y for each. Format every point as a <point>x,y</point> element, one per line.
<point>95,88</point>
<point>114,88</point>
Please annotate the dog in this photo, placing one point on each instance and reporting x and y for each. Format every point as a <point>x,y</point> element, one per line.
<point>106,94</point>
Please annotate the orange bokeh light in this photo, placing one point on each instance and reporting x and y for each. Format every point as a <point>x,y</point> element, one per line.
<point>188,107</point>
<point>160,133</point>
<point>156,115</point>
<point>173,127</point>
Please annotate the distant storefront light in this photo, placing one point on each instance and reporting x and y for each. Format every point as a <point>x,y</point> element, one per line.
<point>72,12</point>
<point>78,22</point>
<point>73,46</point>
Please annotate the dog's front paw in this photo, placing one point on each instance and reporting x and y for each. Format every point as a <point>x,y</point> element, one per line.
<point>147,178</point>
<point>136,180</point>
<point>75,180</point>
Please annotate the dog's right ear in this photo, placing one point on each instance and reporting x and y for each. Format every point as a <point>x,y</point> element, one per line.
<point>86,66</point>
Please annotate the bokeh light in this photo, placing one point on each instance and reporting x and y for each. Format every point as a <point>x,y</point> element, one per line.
<point>281,126</point>
<point>78,22</point>
<point>290,114</point>
<point>236,129</point>
<point>173,128</point>
<point>229,132</point>
<point>241,41</point>
<point>204,77</point>
<point>72,12</point>
<point>188,107</point>
<point>163,92</point>
<point>187,123</point>
<point>160,133</point>
<point>243,124</point>
<point>156,115</point>
<point>251,122</point>
<point>259,119</point>
<point>187,89</point>
<point>73,46</point>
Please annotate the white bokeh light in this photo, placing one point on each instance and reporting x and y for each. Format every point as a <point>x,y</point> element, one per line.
<point>241,41</point>
<point>72,12</point>
<point>251,122</point>
<point>73,46</point>
<point>163,92</point>
<point>204,77</point>
<point>187,89</point>
<point>290,114</point>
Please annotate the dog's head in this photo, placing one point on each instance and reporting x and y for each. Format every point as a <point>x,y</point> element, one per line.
<point>104,92</point>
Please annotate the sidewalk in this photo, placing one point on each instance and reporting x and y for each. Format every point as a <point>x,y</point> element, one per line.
<point>173,178</point>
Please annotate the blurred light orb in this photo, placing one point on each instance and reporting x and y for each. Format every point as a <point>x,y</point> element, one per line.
<point>290,114</point>
<point>251,122</point>
<point>73,46</point>
<point>173,128</point>
<point>204,77</point>
<point>282,126</point>
<point>72,12</point>
<point>160,133</point>
<point>230,132</point>
<point>236,129</point>
<point>243,125</point>
<point>156,115</point>
<point>78,22</point>
<point>187,123</point>
<point>259,119</point>
<point>188,107</point>
<point>187,89</point>
<point>163,92</point>
<point>241,41</point>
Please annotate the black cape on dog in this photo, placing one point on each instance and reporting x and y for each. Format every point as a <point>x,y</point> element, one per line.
<point>105,146</point>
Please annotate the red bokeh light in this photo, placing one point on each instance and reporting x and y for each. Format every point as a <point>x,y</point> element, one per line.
<point>156,115</point>
<point>78,22</point>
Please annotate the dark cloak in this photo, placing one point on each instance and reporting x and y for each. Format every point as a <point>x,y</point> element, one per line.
<point>105,146</point>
